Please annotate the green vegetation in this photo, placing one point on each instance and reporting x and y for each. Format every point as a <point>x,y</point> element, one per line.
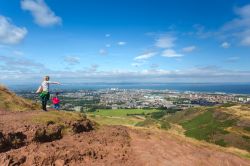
<point>212,124</point>
<point>247,138</point>
<point>123,112</point>
<point>165,125</point>
<point>205,126</point>
<point>56,117</point>
<point>11,102</point>
<point>228,105</point>
<point>221,142</point>
<point>120,116</point>
<point>247,128</point>
<point>147,123</point>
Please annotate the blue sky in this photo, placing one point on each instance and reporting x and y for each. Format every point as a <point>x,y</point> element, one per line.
<point>125,40</point>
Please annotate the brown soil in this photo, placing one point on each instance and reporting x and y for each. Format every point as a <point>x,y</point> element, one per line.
<point>108,145</point>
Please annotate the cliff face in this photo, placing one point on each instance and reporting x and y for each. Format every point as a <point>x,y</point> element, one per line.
<point>9,101</point>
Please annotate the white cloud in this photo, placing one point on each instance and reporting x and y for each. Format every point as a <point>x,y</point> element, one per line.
<point>244,11</point>
<point>225,45</point>
<point>18,53</point>
<point>107,35</point>
<point>92,69</point>
<point>170,53</point>
<point>42,14</point>
<point>10,33</point>
<point>91,74</point>
<point>189,49</point>
<point>202,33</point>
<point>165,41</point>
<point>121,43</point>
<point>233,59</point>
<point>137,64</point>
<point>103,52</point>
<point>145,56</point>
<point>240,26</point>
<point>108,45</point>
<point>72,60</point>
<point>154,66</point>
<point>15,64</point>
<point>246,38</point>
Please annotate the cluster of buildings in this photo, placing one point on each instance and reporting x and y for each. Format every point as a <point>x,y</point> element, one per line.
<point>142,98</point>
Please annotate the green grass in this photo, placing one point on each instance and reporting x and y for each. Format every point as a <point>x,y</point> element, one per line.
<point>205,126</point>
<point>123,112</point>
<point>221,142</point>
<point>247,138</point>
<point>108,120</point>
<point>119,116</point>
<point>55,116</point>
<point>247,128</point>
<point>147,123</point>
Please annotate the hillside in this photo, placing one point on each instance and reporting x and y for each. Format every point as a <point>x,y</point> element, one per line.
<point>9,101</point>
<point>226,125</point>
<point>67,138</point>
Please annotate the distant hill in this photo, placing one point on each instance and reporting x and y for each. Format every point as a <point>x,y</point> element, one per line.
<point>9,101</point>
<point>227,125</point>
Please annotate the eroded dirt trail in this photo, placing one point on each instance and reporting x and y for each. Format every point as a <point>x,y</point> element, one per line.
<point>162,149</point>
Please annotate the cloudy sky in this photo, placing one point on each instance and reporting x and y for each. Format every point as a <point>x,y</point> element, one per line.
<point>125,40</point>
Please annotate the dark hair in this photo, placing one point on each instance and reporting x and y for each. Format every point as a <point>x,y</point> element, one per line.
<point>57,93</point>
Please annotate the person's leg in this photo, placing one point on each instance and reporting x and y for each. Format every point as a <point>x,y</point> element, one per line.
<point>44,103</point>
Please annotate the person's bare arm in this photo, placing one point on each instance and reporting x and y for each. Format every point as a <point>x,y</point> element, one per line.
<point>55,83</point>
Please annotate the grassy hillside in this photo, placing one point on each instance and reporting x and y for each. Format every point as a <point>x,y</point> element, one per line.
<point>120,116</point>
<point>227,126</point>
<point>9,101</point>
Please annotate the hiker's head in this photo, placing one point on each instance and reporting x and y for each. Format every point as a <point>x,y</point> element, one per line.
<point>57,93</point>
<point>46,78</point>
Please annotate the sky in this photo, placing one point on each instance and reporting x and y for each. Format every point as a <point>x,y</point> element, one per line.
<point>119,41</point>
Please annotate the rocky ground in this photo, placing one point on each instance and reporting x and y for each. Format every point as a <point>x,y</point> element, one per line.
<point>81,142</point>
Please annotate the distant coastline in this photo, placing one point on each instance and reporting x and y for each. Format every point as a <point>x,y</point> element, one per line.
<point>229,88</point>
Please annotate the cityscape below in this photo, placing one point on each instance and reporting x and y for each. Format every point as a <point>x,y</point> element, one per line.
<point>90,97</point>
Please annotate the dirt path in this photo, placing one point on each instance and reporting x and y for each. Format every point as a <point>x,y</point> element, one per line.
<point>162,149</point>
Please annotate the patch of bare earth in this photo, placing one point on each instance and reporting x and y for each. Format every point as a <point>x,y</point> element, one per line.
<point>163,149</point>
<point>25,143</point>
<point>46,145</point>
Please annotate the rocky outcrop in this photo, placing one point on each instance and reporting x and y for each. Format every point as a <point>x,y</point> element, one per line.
<point>12,140</point>
<point>83,125</point>
<point>48,133</point>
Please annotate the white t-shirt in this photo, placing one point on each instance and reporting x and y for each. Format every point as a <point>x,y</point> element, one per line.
<point>45,85</point>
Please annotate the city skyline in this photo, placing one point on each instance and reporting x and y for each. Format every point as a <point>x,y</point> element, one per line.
<point>125,41</point>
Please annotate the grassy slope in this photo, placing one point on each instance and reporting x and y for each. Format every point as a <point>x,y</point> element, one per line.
<point>220,125</point>
<point>11,102</point>
<point>120,116</point>
<point>122,112</point>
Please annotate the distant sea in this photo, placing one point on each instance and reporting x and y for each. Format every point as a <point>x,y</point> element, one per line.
<point>232,88</point>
